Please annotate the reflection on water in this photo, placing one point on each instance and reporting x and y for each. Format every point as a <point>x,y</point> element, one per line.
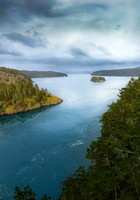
<point>42,147</point>
<point>22,117</point>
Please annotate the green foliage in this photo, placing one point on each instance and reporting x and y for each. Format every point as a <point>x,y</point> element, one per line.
<point>119,72</point>
<point>27,194</point>
<point>11,71</point>
<point>20,95</point>
<point>43,74</point>
<point>10,75</point>
<point>97,79</point>
<point>114,173</point>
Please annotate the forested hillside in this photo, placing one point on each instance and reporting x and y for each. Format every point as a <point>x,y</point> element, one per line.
<point>119,72</point>
<point>11,75</point>
<point>18,93</point>
<point>114,173</point>
<point>43,74</point>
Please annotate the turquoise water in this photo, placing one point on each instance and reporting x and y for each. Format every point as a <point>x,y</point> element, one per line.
<point>41,148</point>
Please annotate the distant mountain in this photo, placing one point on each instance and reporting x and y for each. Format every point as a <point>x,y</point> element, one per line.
<point>118,72</point>
<point>43,74</point>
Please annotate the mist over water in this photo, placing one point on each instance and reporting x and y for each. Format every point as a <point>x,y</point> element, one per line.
<point>42,147</point>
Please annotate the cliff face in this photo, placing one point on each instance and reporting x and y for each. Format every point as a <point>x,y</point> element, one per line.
<point>11,75</point>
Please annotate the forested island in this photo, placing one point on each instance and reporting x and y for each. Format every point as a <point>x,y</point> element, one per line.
<point>97,79</point>
<point>18,93</point>
<point>119,72</point>
<point>43,74</point>
<point>114,173</point>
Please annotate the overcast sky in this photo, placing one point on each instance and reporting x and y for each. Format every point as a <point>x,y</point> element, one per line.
<point>69,35</point>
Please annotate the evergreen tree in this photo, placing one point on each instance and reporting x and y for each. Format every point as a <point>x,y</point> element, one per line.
<point>114,172</point>
<point>27,194</point>
<point>20,94</point>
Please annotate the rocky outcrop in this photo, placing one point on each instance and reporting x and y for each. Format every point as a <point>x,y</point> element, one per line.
<point>97,79</point>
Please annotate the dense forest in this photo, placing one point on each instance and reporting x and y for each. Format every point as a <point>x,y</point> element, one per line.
<point>18,93</point>
<point>97,79</point>
<point>114,173</point>
<point>43,74</point>
<point>119,72</point>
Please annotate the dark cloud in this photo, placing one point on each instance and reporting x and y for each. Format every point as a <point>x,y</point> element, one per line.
<point>38,8</point>
<point>17,37</point>
<point>26,9</point>
<point>77,52</point>
<point>35,30</point>
<point>118,27</point>
<point>17,12</point>
<point>7,52</point>
<point>86,30</point>
<point>36,33</point>
<point>68,65</point>
<point>89,8</point>
<point>101,49</point>
<point>67,62</point>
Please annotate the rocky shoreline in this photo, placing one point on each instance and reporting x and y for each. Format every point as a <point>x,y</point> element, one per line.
<point>98,79</point>
<point>37,106</point>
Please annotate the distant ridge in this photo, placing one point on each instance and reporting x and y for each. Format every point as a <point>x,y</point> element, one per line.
<point>118,72</point>
<point>43,74</point>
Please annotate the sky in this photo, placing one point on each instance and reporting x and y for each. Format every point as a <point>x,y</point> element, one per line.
<point>69,35</point>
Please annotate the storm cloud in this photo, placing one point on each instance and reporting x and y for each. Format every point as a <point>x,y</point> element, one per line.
<point>77,52</point>
<point>49,8</point>
<point>12,53</point>
<point>17,37</point>
<point>71,34</point>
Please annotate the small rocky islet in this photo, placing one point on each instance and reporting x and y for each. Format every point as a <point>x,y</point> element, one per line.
<point>98,79</point>
<point>18,93</point>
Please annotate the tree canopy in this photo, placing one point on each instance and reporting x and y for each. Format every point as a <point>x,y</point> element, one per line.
<point>97,79</point>
<point>21,95</point>
<point>27,194</point>
<point>114,172</point>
